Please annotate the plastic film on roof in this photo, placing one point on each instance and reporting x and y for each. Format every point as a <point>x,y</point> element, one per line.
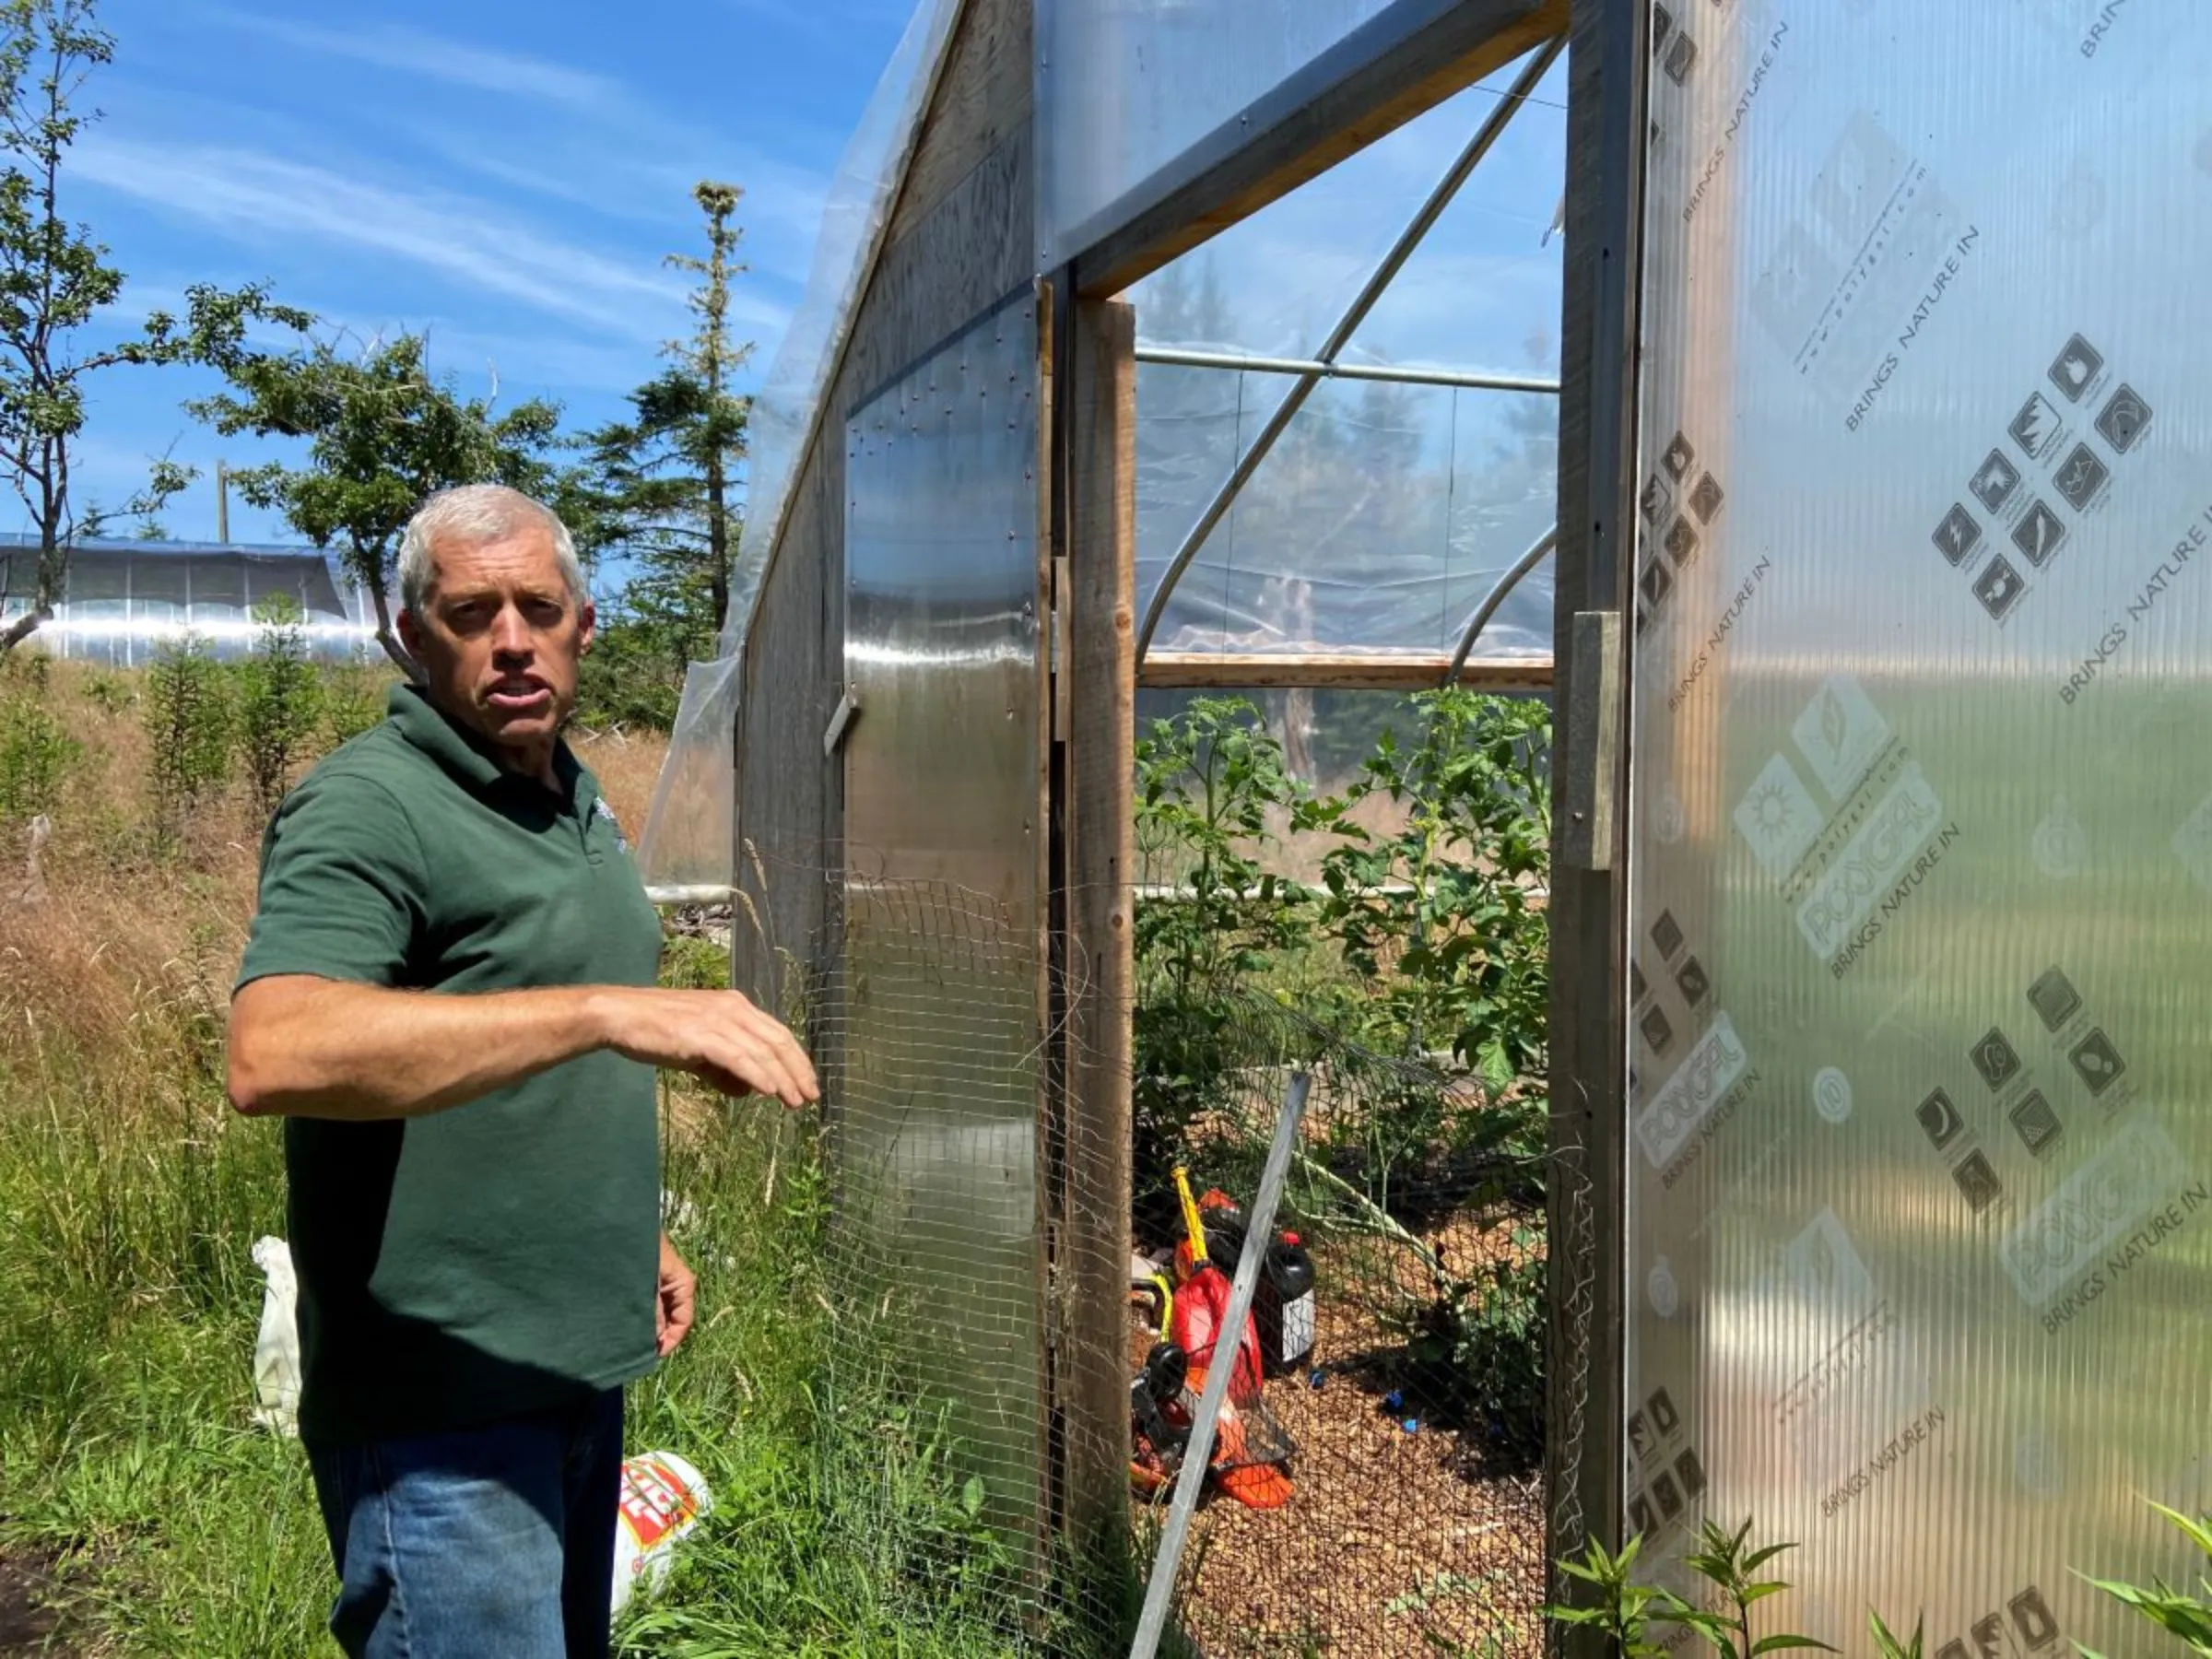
<point>1386,511</point>
<point>689,843</point>
<point>1125,87</point>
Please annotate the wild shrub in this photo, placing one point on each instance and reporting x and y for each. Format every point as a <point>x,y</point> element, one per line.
<point>37,754</point>
<point>279,701</point>
<point>190,723</point>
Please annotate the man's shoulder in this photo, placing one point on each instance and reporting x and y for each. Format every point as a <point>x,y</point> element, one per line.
<point>367,784</point>
<point>379,758</point>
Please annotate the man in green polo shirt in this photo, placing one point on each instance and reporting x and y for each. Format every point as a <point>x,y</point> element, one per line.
<point>449,994</point>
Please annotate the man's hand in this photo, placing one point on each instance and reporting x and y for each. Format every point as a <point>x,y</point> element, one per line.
<point>717,1036</point>
<point>679,1298</point>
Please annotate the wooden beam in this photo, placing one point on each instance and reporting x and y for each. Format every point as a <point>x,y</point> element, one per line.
<point>984,98</point>
<point>1594,565</point>
<point>1098,385</point>
<point>1269,671</point>
<point>1399,65</point>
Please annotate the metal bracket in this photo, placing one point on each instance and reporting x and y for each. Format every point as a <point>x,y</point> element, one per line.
<point>848,710</point>
<point>1061,652</point>
<point>1593,740</point>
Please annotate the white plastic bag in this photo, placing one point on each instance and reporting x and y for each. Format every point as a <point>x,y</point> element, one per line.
<point>663,1499</point>
<point>277,1349</point>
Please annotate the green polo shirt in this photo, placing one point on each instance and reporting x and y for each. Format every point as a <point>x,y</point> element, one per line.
<point>502,1256</point>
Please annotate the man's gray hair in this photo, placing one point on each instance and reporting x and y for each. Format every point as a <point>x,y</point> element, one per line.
<point>474,514</point>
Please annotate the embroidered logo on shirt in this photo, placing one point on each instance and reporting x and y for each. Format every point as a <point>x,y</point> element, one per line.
<point>602,809</point>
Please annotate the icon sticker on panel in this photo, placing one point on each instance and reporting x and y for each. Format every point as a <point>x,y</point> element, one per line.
<point>1958,535</point>
<point>2000,588</point>
<point>2124,419</point>
<point>2038,534</point>
<point>2097,1062</point>
<point>2076,367</point>
<point>1994,484</point>
<point>1996,1059</point>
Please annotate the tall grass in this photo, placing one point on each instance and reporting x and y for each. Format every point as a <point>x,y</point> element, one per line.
<point>131,1196</point>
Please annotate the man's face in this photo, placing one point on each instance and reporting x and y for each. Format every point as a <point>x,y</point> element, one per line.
<point>499,638</point>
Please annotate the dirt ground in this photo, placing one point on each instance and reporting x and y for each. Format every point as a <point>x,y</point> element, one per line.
<point>27,1624</point>
<point>1392,1543</point>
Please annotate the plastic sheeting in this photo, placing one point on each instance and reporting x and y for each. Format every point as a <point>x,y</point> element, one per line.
<point>689,844</point>
<point>1127,86</point>
<point>1918,1208</point>
<point>1386,511</point>
<point>1378,523</point>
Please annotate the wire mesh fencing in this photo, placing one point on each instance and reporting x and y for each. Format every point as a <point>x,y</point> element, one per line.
<point>1380,1490</point>
<point>1043,1313</point>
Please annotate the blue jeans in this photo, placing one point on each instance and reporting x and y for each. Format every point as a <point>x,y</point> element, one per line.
<point>496,1542</point>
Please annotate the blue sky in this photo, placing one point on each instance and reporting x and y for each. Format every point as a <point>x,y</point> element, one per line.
<point>507,175</point>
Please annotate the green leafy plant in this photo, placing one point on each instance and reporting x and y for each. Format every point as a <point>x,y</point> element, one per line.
<point>368,433</point>
<point>279,702</point>
<point>1628,1611</point>
<point>58,294</point>
<point>36,755</point>
<point>692,963</point>
<point>2179,1613</point>
<point>1440,921</point>
<point>1726,1560</point>
<point>1207,782</point>
<point>189,720</point>
<point>1478,1343</point>
<point>664,486</point>
<point>1889,1645</point>
<point>1443,917</point>
<point>633,674</point>
<point>1622,1609</point>
<point>109,694</point>
<point>352,696</point>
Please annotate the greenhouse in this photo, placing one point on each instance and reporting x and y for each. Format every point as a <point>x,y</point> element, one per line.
<point>1766,451</point>
<point>125,600</point>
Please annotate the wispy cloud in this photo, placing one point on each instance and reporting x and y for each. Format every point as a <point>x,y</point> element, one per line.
<point>257,197</point>
<point>800,16</point>
<point>432,56</point>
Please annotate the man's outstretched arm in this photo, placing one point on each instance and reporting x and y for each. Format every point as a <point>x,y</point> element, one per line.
<point>301,1046</point>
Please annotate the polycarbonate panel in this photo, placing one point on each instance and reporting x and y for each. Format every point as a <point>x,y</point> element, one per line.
<point>1920,1175</point>
<point>937,1110</point>
<point>1125,87</point>
<point>1378,523</point>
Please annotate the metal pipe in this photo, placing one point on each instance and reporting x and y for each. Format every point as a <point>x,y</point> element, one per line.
<point>1410,375</point>
<point>1160,1590</point>
<point>1488,608</point>
<point>691,893</point>
<point>1439,198</point>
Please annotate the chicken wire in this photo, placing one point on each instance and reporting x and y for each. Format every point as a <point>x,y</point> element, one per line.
<point>1411,1429</point>
<point>1408,1424</point>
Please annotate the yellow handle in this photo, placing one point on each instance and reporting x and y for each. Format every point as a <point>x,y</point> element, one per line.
<point>1193,1229</point>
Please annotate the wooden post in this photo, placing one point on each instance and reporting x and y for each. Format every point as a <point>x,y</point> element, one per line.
<point>1589,889</point>
<point>1099,470</point>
